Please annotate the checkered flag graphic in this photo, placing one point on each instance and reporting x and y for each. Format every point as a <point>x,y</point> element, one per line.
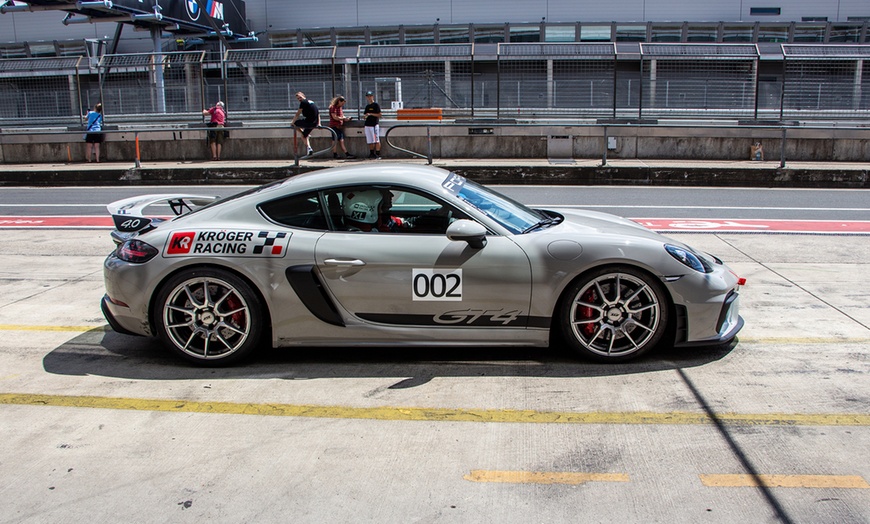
<point>268,246</point>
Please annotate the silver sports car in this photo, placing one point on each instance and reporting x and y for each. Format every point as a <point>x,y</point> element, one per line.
<point>404,255</point>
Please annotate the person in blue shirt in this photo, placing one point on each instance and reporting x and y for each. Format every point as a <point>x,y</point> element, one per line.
<point>93,137</point>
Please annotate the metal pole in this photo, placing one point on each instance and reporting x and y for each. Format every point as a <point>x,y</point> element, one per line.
<point>782,150</point>
<point>138,162</point>
<point>604,155</point>
<point>157,63</point>
<point>429,142</point>
<point>755,70</point>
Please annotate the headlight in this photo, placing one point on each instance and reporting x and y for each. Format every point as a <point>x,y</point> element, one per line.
<point>688,259</point>
<point>136,252</point>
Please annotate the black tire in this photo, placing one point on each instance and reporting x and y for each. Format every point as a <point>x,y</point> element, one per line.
<point>209,317</point>
<point>614,314</point>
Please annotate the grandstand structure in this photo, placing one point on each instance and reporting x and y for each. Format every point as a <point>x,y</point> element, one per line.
<point>163,61</point>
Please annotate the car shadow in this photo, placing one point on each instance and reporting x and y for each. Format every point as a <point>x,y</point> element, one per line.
<point>104,352</point>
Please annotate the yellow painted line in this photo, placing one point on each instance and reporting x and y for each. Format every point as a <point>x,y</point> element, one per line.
<point>542,477</point>
<point>434,414</point>
<point>804,340</point>
<point>785,481</point>
<point>22,327</point>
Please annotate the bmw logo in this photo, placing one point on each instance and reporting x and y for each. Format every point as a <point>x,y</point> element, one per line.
<point>192,9</point>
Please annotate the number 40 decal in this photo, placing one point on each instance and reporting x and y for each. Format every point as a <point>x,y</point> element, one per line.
<point>435,284</point>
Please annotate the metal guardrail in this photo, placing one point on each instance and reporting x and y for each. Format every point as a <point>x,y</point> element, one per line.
<point>606,128</point>
<point>784,129</point>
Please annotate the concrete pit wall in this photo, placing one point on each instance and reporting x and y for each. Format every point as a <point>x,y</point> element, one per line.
<point>685,142</point>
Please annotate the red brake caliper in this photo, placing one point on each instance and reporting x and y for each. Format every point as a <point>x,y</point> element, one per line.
<point>238,317</point>
<point>587,313</point>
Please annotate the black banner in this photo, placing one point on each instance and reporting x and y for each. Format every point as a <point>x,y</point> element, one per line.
<point>197,12</point>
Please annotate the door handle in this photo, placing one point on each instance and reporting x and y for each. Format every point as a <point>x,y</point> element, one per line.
<point>343,262</point>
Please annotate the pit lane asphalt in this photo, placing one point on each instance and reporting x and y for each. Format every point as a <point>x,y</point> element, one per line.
<point>102,427</point>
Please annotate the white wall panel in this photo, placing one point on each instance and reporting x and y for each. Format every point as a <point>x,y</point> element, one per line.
<point>695,10</point>
<point>594,10</point>
<point>853,8</point>
<point>514,11</point>
<point>395,12</point>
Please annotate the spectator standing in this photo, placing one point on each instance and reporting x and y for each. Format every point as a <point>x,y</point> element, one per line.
<point>94,137</point>
<point>336,123</point>
<point>218,121</point>
<point>310,119</point>
<point>373,115</point>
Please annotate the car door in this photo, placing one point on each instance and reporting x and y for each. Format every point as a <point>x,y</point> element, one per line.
<point>413,278</point>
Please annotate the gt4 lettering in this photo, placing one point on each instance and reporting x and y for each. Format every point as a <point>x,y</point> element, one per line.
<point>238,243</point>
<point>436,284</point>
<point>477,317</point>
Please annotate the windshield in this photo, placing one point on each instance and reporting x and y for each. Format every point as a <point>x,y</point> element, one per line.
<point>512,215</point>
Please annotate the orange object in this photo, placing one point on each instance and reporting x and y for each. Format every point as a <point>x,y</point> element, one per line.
<point>433,113</point>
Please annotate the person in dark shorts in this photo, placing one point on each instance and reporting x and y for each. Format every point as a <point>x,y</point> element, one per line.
<point>218,121</point>
<point>336,123</point>
<point>310,119</point>
<point>93,137</point>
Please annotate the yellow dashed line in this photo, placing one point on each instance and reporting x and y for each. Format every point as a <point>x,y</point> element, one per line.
<point>785,481</point>
<point>804,340</point>
<point>21,327</point>
<point>542,477</point>
<point>436,414</point>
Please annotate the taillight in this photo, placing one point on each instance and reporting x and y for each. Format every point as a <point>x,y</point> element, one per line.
<point>136,252</point>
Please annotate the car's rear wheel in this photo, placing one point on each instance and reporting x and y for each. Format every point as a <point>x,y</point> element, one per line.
<point>209,317</point>
<point>614,314</point>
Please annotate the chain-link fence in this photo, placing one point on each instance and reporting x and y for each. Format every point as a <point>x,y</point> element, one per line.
<point>558,79</point>
<point>417,76</point>
<point>265,81</point>
<point>826,82</point>
<point>40,91</point>
<point>516,80</point>
<point>709,80</point>
<point>151,85</point>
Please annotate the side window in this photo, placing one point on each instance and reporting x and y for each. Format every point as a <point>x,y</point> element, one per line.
<point>302,211</point>
<point>388,210</point>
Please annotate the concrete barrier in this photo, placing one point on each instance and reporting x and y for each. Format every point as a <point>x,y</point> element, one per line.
<point>688,141</point>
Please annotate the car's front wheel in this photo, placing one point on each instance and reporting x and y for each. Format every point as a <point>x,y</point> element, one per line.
<point>209,317</point>
<point>614,314</point>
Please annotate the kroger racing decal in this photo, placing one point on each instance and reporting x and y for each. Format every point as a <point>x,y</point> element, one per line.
<point>437,284</point>
<point>227,243</point>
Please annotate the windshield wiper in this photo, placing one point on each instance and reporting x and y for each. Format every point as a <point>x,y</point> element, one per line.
<point>544,222</point>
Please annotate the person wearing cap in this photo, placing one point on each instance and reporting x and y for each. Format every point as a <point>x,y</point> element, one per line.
<point>310,119</point>
<point>216,136</point>
<point>372,113</point>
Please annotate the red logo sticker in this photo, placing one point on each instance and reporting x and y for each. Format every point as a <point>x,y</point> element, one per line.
<point>180,243</point>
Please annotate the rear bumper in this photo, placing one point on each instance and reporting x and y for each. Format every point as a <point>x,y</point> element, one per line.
<point>118,317</point>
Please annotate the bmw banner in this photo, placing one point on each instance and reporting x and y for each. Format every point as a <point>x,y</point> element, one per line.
<point>196,12</point>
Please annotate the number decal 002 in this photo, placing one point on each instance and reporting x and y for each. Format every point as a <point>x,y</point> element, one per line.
<point>436,284</point>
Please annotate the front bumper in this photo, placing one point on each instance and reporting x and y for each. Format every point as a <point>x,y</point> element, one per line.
<point>729,323</point>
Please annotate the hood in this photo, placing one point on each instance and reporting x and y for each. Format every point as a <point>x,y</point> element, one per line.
<point>592,222</point>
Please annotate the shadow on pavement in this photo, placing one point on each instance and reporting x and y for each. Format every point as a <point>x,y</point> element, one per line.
<point>106,353</point>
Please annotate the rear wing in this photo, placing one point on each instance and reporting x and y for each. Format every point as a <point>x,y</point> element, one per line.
<point>129,214</point>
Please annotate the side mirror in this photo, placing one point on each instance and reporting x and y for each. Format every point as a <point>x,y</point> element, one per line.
<point>468,231</point>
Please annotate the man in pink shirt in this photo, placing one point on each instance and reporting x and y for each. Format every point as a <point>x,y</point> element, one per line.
<point>216,136</point>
